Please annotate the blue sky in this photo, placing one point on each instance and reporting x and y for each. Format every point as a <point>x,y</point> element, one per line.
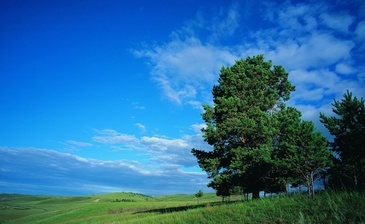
<point>104,96</point>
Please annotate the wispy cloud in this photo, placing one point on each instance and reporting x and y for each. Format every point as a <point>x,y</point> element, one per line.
<point>198,127</point>
<point>109,136</point>
<point>337,22</point>
<point>225,24</point>
<point>78,144</point>
<point>71,145</point>
<point>345,69</point>
<point>141,127</point>
<point>138,106</point>
<point>360,34</point>
<point>182,67</point>
<point>163,144</point>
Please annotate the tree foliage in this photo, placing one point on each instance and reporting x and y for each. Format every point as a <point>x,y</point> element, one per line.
<point>301,153</point>
<point>348,129</point>
<point>311,156</point>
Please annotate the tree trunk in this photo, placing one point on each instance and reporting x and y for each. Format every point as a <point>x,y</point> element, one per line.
<point>256,194</point>
<point>310,184</point>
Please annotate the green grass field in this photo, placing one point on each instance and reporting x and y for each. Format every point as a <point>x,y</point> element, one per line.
<point>340,207</point>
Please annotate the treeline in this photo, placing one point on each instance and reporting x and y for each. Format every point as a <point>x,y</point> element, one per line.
<point>261,144</point>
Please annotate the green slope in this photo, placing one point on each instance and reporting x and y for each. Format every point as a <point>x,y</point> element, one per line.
<point>340,207</point>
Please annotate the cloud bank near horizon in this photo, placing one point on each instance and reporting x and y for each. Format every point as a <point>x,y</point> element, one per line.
<point>31,170</point>
<point>152,165</point>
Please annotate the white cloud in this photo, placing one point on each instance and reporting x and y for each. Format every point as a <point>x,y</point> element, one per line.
<point>318,88</point>
<point>315,84</point>
<point>339,22</point>
<point>309,112</point>
<point>182,67</point>
<point>226,23</point>
<point>173,151</point>
<point>290,16</point>
<point>163,143</point>
<point>109,136</point>
<point>160,149</point>
<point>138,106</point>
<point>78,144</point>
<point>195,104</point>
<point>313,51</point>
<point>360,30</point>
<point>198,127</point>
<point>360,34</point>
<point>141,127</point>
<point>343,68</point>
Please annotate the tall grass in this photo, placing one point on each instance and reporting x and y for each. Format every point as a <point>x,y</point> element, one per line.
<point>327,207</point>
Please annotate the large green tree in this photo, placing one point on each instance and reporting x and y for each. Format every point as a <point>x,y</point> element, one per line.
<point>348,129</point>
<point>240,125</point>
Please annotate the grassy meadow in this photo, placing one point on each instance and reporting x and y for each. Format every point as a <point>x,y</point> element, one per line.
<point>327,207</point>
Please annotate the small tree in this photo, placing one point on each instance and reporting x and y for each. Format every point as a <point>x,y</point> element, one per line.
<point>199,195</point>
<point>313,155</point>
<point>300,151</point>
<point>222,184</point>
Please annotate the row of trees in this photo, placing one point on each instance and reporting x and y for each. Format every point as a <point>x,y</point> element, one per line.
<point>261,144</point>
